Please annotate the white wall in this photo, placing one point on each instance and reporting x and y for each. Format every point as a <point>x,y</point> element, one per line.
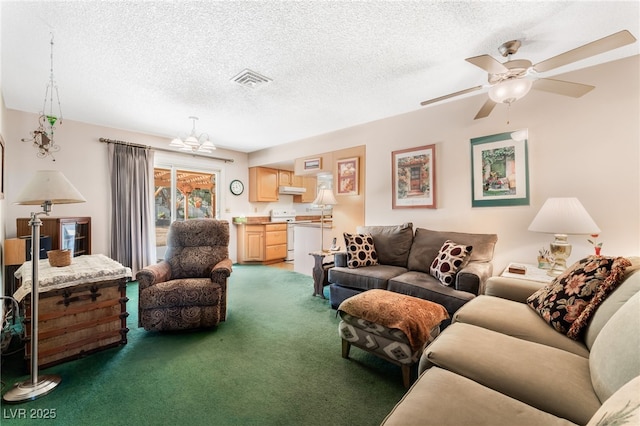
<point>83,160</point>
<point>586,148</point>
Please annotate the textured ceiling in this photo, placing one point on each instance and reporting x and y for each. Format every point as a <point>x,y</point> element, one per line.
<point>148,66</point>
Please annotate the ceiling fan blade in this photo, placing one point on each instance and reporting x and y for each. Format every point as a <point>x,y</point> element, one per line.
<point>451,95</point>
<point>488,63</point>
<point>566,88</point>
<point>486,109</point>
<point>602,45</point>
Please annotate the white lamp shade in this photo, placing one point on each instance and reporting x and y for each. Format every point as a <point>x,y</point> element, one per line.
<point>49,185</point>
<point>510,90</point>
<point>563,216</point>
<point>325,198</point>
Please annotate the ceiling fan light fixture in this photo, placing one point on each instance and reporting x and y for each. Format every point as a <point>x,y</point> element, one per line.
<point>509,91</point>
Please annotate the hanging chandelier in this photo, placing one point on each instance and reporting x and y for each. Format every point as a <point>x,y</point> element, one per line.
<point>194,142</point>
<point>43,137</point>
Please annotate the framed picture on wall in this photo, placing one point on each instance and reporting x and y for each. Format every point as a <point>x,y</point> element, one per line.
<point>348,171</point>
<point>414,177</point>
<point>312,164</point>
<point>500,170</point>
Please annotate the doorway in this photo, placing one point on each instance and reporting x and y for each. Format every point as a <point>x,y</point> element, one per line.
<point>182,194</point>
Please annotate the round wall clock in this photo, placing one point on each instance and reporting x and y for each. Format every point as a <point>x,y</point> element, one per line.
<point>236,187</point>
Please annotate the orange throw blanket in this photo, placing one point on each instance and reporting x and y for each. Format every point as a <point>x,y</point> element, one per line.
<point>413,316</point>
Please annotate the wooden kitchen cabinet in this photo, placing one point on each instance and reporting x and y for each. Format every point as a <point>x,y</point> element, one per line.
<point>263,184</point>
<point>311,184</point>
<point>285,178</point>
<point>263,243</point>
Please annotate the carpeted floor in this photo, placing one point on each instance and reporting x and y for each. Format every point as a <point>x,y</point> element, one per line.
<point>275,361</point>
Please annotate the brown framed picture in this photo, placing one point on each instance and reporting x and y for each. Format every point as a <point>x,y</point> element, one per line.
<point>414,177</point>
<point>312,164</point>
<point>348,170</point>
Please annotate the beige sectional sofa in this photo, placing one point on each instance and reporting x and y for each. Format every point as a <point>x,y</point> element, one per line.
<point>500,363</point>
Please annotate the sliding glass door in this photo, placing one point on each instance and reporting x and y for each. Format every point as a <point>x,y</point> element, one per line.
<point>182,194</point>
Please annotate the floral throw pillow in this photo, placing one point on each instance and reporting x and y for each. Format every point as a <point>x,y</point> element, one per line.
<point>449,260</point>
<point>360,250</point>
<point>568,302</point>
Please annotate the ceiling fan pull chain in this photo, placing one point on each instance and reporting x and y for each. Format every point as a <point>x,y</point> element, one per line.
<point>508,112</point>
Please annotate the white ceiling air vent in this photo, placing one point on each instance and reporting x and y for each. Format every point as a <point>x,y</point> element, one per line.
<point>250,79</point>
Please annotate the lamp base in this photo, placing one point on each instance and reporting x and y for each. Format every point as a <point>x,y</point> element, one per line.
<point>560,250</point>
<point>27,391</point>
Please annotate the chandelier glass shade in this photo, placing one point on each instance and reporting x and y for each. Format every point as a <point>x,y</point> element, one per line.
<point>194,142</point>
<point>510,90</point>
<point>43,137</point>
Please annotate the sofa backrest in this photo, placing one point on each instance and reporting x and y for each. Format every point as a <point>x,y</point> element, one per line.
<point>392,243</point>
<point>614,360</point>
<point>427,244</point>
<point>629,286</point>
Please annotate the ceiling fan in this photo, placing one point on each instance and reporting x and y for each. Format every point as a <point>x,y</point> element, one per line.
<point>511,80</point>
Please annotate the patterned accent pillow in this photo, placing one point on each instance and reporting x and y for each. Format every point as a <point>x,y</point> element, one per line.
<point>360,250</point>
<point>450,259</point>
<point>568,302</point>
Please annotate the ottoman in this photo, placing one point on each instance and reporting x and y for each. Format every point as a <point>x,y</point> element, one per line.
<point>392,326</point>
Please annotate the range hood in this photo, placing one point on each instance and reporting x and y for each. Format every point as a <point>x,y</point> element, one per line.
<point>292,190</point>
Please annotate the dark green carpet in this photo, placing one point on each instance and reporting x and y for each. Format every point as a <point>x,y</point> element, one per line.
<point>275,361</point>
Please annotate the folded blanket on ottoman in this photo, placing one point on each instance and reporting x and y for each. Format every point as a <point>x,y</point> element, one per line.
<point>413,316</point>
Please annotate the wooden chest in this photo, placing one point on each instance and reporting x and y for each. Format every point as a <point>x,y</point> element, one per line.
<point>79,320</point>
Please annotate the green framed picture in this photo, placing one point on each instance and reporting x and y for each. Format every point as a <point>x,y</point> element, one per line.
<point>500,170</point>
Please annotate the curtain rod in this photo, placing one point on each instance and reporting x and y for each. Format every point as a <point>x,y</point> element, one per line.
<point>193,154</point>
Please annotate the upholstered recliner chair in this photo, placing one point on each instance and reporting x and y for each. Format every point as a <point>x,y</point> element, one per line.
<point>188,289</point>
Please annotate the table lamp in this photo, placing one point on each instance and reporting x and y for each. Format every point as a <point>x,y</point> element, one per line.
<point>325,198</point>
<point>46,188</point>
<point>562,216</point>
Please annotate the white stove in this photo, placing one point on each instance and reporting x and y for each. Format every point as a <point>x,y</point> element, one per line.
<point>283,215</point>
<point>289,216</point>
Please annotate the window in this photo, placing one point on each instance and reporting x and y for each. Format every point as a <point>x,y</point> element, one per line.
<point>182,194</point>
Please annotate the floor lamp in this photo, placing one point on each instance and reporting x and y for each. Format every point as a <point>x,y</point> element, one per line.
<point>46,188</point>
<point>325,198</point>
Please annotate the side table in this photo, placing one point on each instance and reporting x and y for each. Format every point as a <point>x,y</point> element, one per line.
<point>323,261</point>
<point>533,273</point>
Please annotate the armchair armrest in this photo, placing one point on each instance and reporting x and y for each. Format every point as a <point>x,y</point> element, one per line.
<point>221,271</point>
<point>152,274</point>
<point>512,288</point>
<point>472,277</point>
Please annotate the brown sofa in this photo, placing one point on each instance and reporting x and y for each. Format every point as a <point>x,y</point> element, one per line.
<point>404,259</point>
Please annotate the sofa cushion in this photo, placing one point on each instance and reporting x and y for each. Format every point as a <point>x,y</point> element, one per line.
<point>427,243</point>
<point>365,278</point>
<point>515,319</point>
<point>549,379</point>
<point>614,356</point>
<point>360,250</point>
<point>424,286</point>
<point>622,408</point>
<point>629,286</point>
<point>440,397</point>
<point>450,259</point>
<point>562,302</point>
<point>392,242</point>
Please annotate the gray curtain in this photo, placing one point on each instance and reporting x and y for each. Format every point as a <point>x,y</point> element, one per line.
<point>132,226</point>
